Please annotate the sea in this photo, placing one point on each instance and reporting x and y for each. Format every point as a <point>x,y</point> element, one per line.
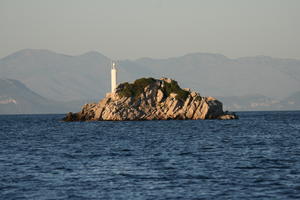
<point>255,157</point>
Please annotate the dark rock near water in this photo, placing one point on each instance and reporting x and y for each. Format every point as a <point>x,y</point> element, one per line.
<point>152,99</point>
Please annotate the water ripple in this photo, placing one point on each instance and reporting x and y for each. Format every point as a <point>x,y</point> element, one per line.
<point>255,157</point>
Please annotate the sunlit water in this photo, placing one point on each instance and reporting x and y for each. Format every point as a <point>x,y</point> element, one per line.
<point>255,157</point>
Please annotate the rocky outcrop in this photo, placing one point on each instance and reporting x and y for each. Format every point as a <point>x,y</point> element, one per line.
<point>152,99</point>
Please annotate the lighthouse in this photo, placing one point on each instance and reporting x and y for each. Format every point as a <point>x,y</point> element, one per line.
<point>113,77</point>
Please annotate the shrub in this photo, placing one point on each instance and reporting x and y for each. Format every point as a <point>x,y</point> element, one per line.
<point>173,87</point>
<point>127,90</point>
<point>136,88</point>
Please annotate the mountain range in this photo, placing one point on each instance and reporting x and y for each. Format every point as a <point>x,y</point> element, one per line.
<point>53,79</point>
<point>16,98</point>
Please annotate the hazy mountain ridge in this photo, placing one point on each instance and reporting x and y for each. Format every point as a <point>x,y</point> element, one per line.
<point>292,102</point>
<point>16,98</point>
<point>57,76</point>
<point>61,77</point>
<point>260,102</point>
<point>217,75</point>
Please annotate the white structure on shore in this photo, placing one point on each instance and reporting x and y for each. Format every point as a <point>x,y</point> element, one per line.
<point>113,76</point>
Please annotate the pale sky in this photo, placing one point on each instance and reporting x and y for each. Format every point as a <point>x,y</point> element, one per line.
<point>122,29</point>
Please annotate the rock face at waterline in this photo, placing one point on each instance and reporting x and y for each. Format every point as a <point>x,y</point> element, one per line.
<point>152,99</point>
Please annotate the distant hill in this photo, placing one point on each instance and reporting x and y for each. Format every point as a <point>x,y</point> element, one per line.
<point>60,77</point>
<point>292,102</point>
<point>217,75</point>
<point>57,76</point>
<point>16,98</point>
<point>260,102</point>
<point>249,102</point>
<point>65,78</point>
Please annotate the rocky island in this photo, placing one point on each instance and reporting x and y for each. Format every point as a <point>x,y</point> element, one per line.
<point>152,99</point>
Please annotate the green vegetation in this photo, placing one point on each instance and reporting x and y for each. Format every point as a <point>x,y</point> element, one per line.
<point>136,88</point>
<point>173,87</point>
<point>198,98</point>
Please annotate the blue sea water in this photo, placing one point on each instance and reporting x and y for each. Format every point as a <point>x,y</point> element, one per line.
<point>255,157</point>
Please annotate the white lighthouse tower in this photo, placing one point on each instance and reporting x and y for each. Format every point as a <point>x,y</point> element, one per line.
<point>113,76</point>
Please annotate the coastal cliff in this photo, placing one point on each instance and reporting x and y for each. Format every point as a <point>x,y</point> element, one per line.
<point>152,99</point>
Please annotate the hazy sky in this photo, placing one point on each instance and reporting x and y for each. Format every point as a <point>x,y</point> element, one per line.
<point>152,28</point>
